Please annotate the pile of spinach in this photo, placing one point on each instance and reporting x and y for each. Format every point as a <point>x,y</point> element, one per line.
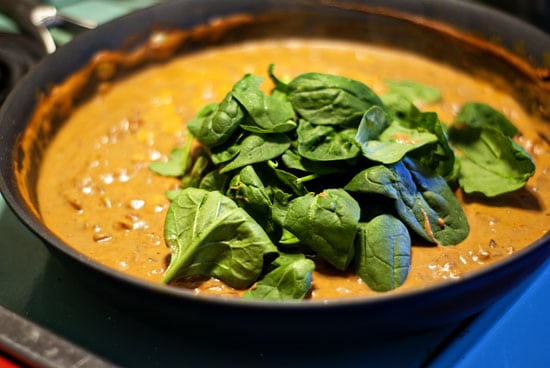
<point>324,170</point>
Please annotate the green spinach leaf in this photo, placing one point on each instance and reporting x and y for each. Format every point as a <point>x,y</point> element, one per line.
<point>213,180</point>
<point>179,160</point>
<point>423,200</point>
<point>257,148</point>
<point>374,121</point>
<point>289,280</point>
<point>491,163</point>
<point>325,99</point>
<point>294,161</point>
<point>326,223</point>
<point>228,150</point>
<point>214,124</point>
<point>287,179</point>
<point>211,236</point>
<point>265,113</point>
<point>480,115</point>
<point>415,92</point>
<point>176,164</point>
<point>395,141</point>
<point>383,252</point>
<point>331,135</point>
<point>248,191</point>
<point>325,143</point>
<point>438,156</point>
<point>194,177</point>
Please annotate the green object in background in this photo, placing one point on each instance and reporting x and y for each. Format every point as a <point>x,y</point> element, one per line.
<point>98,11</point>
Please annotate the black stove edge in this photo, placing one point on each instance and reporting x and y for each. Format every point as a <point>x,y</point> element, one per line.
<point>35,346</point>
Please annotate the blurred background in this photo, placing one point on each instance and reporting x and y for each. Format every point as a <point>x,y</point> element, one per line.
<point>536,12</point>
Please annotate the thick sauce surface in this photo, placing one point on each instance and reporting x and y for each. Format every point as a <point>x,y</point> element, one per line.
<point>96,191</point>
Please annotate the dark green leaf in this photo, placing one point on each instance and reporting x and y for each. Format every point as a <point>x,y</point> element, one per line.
<point>257,148</point>
<point>479,115</point>
<point>289,280</point>
<point>288,239</point>
<point>390,142</point>
<point>227,151</point>
<point>265,113</point>
<point>294,161</point>
<point>215,124</point>
<point>373,123</point>
<point>326,143</point>
<point>325,99</point>
<point>288,180</point>
<point>423,200</point>
<point>415,92</point>
<point>211,236</point>
<point>179,161</point>
<point>175,165</point>
<point>492,163</point>
<point>214,181</point>
<point>248,191</point>
<point>193,178</point>
<point>438,156</point>
<point>326,223</point>
<point>281,87</point>
<point>383,253</point>
<point>280,200</point>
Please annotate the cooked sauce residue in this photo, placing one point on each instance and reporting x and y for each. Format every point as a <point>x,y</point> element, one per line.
<point>96,192</point>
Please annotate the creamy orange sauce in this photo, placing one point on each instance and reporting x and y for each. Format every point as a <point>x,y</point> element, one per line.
<point>96,192</point>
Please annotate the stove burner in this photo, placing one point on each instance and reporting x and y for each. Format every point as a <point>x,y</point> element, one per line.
<point>18,53</point>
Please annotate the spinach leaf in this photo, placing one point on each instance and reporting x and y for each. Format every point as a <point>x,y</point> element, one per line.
<point>210,235</point>
<point>248,192</point>
<point>480,115</point>
<point>265,113</point>
<point>213,180</point>
<point>194,177</point>
<point>383,252</point>
<point>287,179</point>
<point>415,92</point>
<point>257,148</point>
<point>214,124</point>
<point>423,200</point>
<point>395,141</point>
<point>491,163</point>
<point>293,160</point>
<point>288,239</point>
<point>325,143</point>
<point>228,150</point>
<point>280,200</point>
<point>325,99</point>
<point>438,156</point>
<point>326,223</point>
<point>374,121</point>
<point>179,160</point>
<point>280,85</point>
<point>289,280</point>
<point>173,194</point>
<point>176,165</point>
